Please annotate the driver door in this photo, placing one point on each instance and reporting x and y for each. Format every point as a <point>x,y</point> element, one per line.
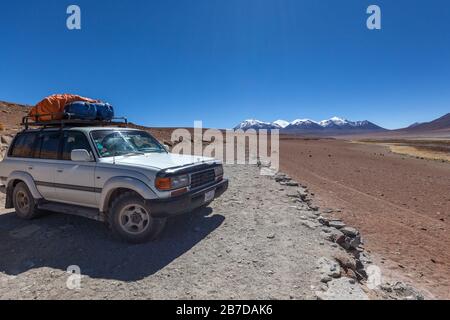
<point>75,181</point>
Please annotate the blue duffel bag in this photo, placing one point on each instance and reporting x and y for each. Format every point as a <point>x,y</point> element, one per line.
<point>81,111</point>
<point>105,111</point>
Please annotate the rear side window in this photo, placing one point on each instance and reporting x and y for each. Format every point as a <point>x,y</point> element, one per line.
<point>24,146</point>
<point>50,142</point>
<point>74,141</point>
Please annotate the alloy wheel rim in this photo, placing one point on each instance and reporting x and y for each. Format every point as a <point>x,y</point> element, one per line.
<point>22,200</point>
<point>134,219</point>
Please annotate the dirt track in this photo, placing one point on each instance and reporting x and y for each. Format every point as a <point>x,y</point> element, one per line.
<point>251,244</point>
<point>401,204</point>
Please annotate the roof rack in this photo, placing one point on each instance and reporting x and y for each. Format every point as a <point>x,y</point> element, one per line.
<point>33,121</point>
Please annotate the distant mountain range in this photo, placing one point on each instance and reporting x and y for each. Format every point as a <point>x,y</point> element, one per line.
<point>334,125</point>
<point>441,124</point>
<point>11,115</point>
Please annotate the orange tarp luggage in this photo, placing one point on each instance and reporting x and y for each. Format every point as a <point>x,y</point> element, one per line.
<point>52,107</point>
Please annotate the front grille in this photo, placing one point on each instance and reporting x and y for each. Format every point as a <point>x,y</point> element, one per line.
<point>201,178</point>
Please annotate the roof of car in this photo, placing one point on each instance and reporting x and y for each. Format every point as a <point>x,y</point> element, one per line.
<point>83,129</point>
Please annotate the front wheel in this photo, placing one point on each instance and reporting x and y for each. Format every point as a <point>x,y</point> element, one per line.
<point>131,220</point>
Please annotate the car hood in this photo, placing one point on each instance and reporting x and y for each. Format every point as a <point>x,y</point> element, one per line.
<point>161,161</point>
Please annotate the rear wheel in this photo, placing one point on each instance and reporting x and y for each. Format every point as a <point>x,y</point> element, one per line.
<point>131,220</point>
<point>24,203</point>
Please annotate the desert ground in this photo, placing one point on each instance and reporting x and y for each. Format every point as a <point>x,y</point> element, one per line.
<point>259,241</point>
<point>401,203</point>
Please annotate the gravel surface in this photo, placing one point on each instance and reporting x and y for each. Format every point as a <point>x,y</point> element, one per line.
<point>400,204</point>
<point>256,242</point>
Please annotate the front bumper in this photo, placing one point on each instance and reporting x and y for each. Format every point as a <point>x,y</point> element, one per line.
<point>162,208</point>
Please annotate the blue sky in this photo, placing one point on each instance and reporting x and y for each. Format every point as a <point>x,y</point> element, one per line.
<point>168,63</point>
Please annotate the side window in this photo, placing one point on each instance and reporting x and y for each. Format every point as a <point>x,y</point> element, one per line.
<point>73,141</point>
<point>49,145</point>
<point>24,146</point>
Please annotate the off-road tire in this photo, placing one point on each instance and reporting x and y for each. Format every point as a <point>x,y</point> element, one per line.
<point>116,216</point>
<point>24,203</point>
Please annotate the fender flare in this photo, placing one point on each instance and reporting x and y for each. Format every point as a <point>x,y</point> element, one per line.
<point>27,179</point>
<point>124,183</point>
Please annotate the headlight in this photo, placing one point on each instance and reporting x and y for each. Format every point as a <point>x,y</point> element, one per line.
<point>180,181</point>
<point>218,171</point>
<point>172,183</point>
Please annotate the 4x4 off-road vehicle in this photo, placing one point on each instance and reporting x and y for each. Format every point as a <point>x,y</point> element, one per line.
<point>118,175</point>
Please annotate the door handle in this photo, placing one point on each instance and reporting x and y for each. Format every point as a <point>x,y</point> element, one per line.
<point>30,168</point>
<point>60,170</point>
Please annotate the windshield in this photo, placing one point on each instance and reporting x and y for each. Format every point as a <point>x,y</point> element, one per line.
<point>111,143</point>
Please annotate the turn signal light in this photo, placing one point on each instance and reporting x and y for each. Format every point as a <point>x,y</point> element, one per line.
<point>163,183</point>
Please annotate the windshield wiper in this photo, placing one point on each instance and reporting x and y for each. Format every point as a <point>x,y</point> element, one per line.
<point>153,151</point>
<point>134,153</point>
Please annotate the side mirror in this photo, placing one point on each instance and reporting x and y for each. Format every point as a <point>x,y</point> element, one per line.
<point>80,155</point>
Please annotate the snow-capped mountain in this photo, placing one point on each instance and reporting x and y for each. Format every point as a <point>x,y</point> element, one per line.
<point>255,124</point>
<point>333,125</point>
<point>335,122</point>
<point>281,123</point>
<point>304,124</point>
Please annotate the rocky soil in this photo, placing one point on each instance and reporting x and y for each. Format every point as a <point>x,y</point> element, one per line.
<point>261,240</point>
<point>400,204</point>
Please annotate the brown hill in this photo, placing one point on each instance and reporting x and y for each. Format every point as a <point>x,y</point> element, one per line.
<point>11,115</point>
<point>443,123</point>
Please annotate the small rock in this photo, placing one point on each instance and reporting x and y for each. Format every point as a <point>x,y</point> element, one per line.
<point>338,224</point>
<point>293,195</point>
<point>271,236</point>
<point>292,184</point>
<point>310,224</point>
<point>345,260</point>
<point>333,235</point>
<point>323,221</point>
<point>403,291</point>
<point>355,242</point>
<point>364,258</point>
<point>325,279</point>
<point>328,267</point>
<point>326,229</point>
<point>350,232</point>
<point>350,243</point>
<point>281,177</point>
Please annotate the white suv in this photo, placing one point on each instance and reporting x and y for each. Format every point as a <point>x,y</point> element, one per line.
<point>121,176</point>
